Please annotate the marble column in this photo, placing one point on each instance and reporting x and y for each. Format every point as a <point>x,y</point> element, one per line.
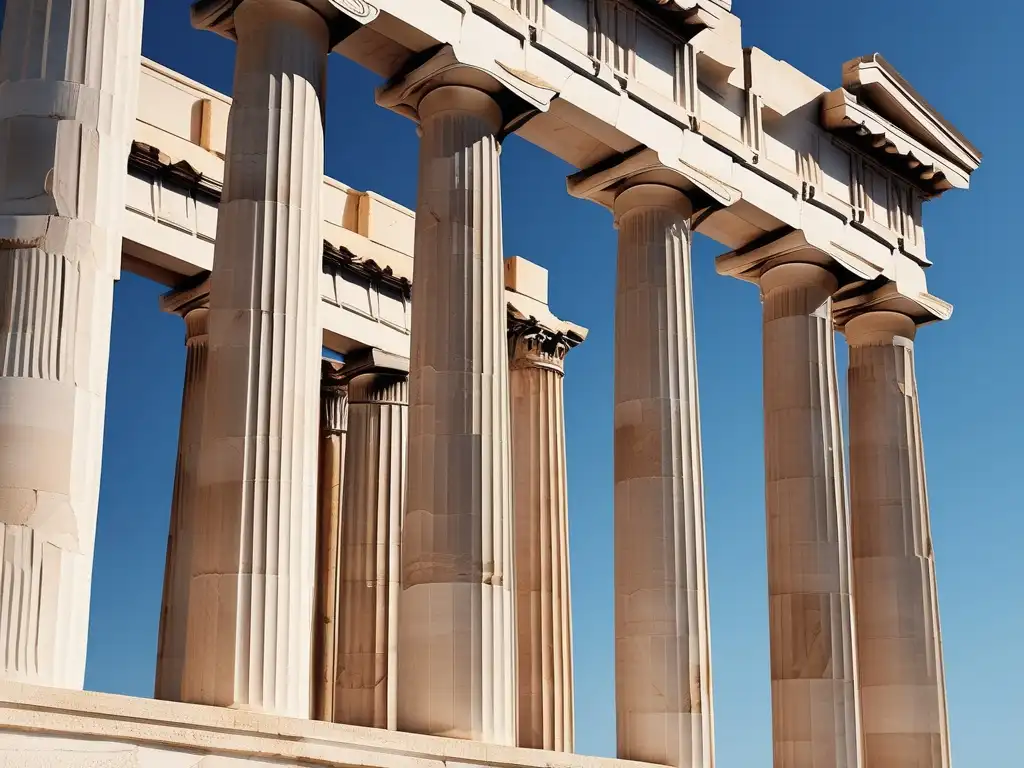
<point>170,656</point>
<point>662,634</point>
<point>251,602</point>
<point>370,539</point>
<point>68,85</point>
<point>333,446</point>
<point>899,646</point>
<point>543,616</point>
<point>456,655</point>
<point>814,700</point>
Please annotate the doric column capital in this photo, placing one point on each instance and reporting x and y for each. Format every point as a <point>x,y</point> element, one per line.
<point>196,330</point>
<point>798,275</point>
<point>333,399</point>
<point>531,345</point>
<point>880,328</point>
<point>463,99</point>
<point>517,95</point>
<point>342,17</point>
<point>379,388</point>
<point>648,196</point>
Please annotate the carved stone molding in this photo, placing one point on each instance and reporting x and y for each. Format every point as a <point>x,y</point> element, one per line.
<point>531,345</point>
<point>333,399</point>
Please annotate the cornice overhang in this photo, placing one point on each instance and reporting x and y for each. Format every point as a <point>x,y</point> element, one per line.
<point>149,160</point>
<point>844,114</point>
<point>343,17</point>
<point>884,295</point>
<point>878,85</point>
<point>520,94</point>
<point>700,13</point>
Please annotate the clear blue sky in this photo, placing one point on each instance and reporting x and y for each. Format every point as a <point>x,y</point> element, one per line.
<point>964,58</point>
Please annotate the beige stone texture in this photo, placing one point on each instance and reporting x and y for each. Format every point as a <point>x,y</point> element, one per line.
<point>540,492</point>
<point>662,635</point>
<point>333,449</point>
<point>70,729</point>
<point>367,674</point>
<point>899,644</point>
<point>68,85</point>
<point>185,506</point>
<point>456,655</point>
<point>814,697</point>
<point>251,600</point>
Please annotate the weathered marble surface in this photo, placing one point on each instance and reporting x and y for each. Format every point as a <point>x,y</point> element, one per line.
<point>810,608</point>
<point>456,655</point>
<point>899,641</point>
<point>662,633</point>
<point>51,728</point>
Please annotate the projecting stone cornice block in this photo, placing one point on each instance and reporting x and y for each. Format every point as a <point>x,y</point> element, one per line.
<point>878,85</point>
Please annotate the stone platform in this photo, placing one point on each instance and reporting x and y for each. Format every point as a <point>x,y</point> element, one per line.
<point>53,728</point>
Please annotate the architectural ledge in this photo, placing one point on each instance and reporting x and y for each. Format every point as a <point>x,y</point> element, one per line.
<point>877,84</point>
<point>103,729</point>
<point>343,16</point>
<point>150,160</point>
<point>890,145</point>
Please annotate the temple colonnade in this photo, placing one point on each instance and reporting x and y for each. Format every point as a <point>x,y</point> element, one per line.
<point>383,541</point>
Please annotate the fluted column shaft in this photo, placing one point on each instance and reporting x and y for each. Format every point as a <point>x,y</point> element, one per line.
<point>543,615</point>
<point>456,658</point>
<point>251,603</point>
<point>370,539</point>
<point>326,627</point>
<point>170,656</point>
<point>814,700</point>
<point>68,86</point>
<point>662,634</point>
<point>899,646</point>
